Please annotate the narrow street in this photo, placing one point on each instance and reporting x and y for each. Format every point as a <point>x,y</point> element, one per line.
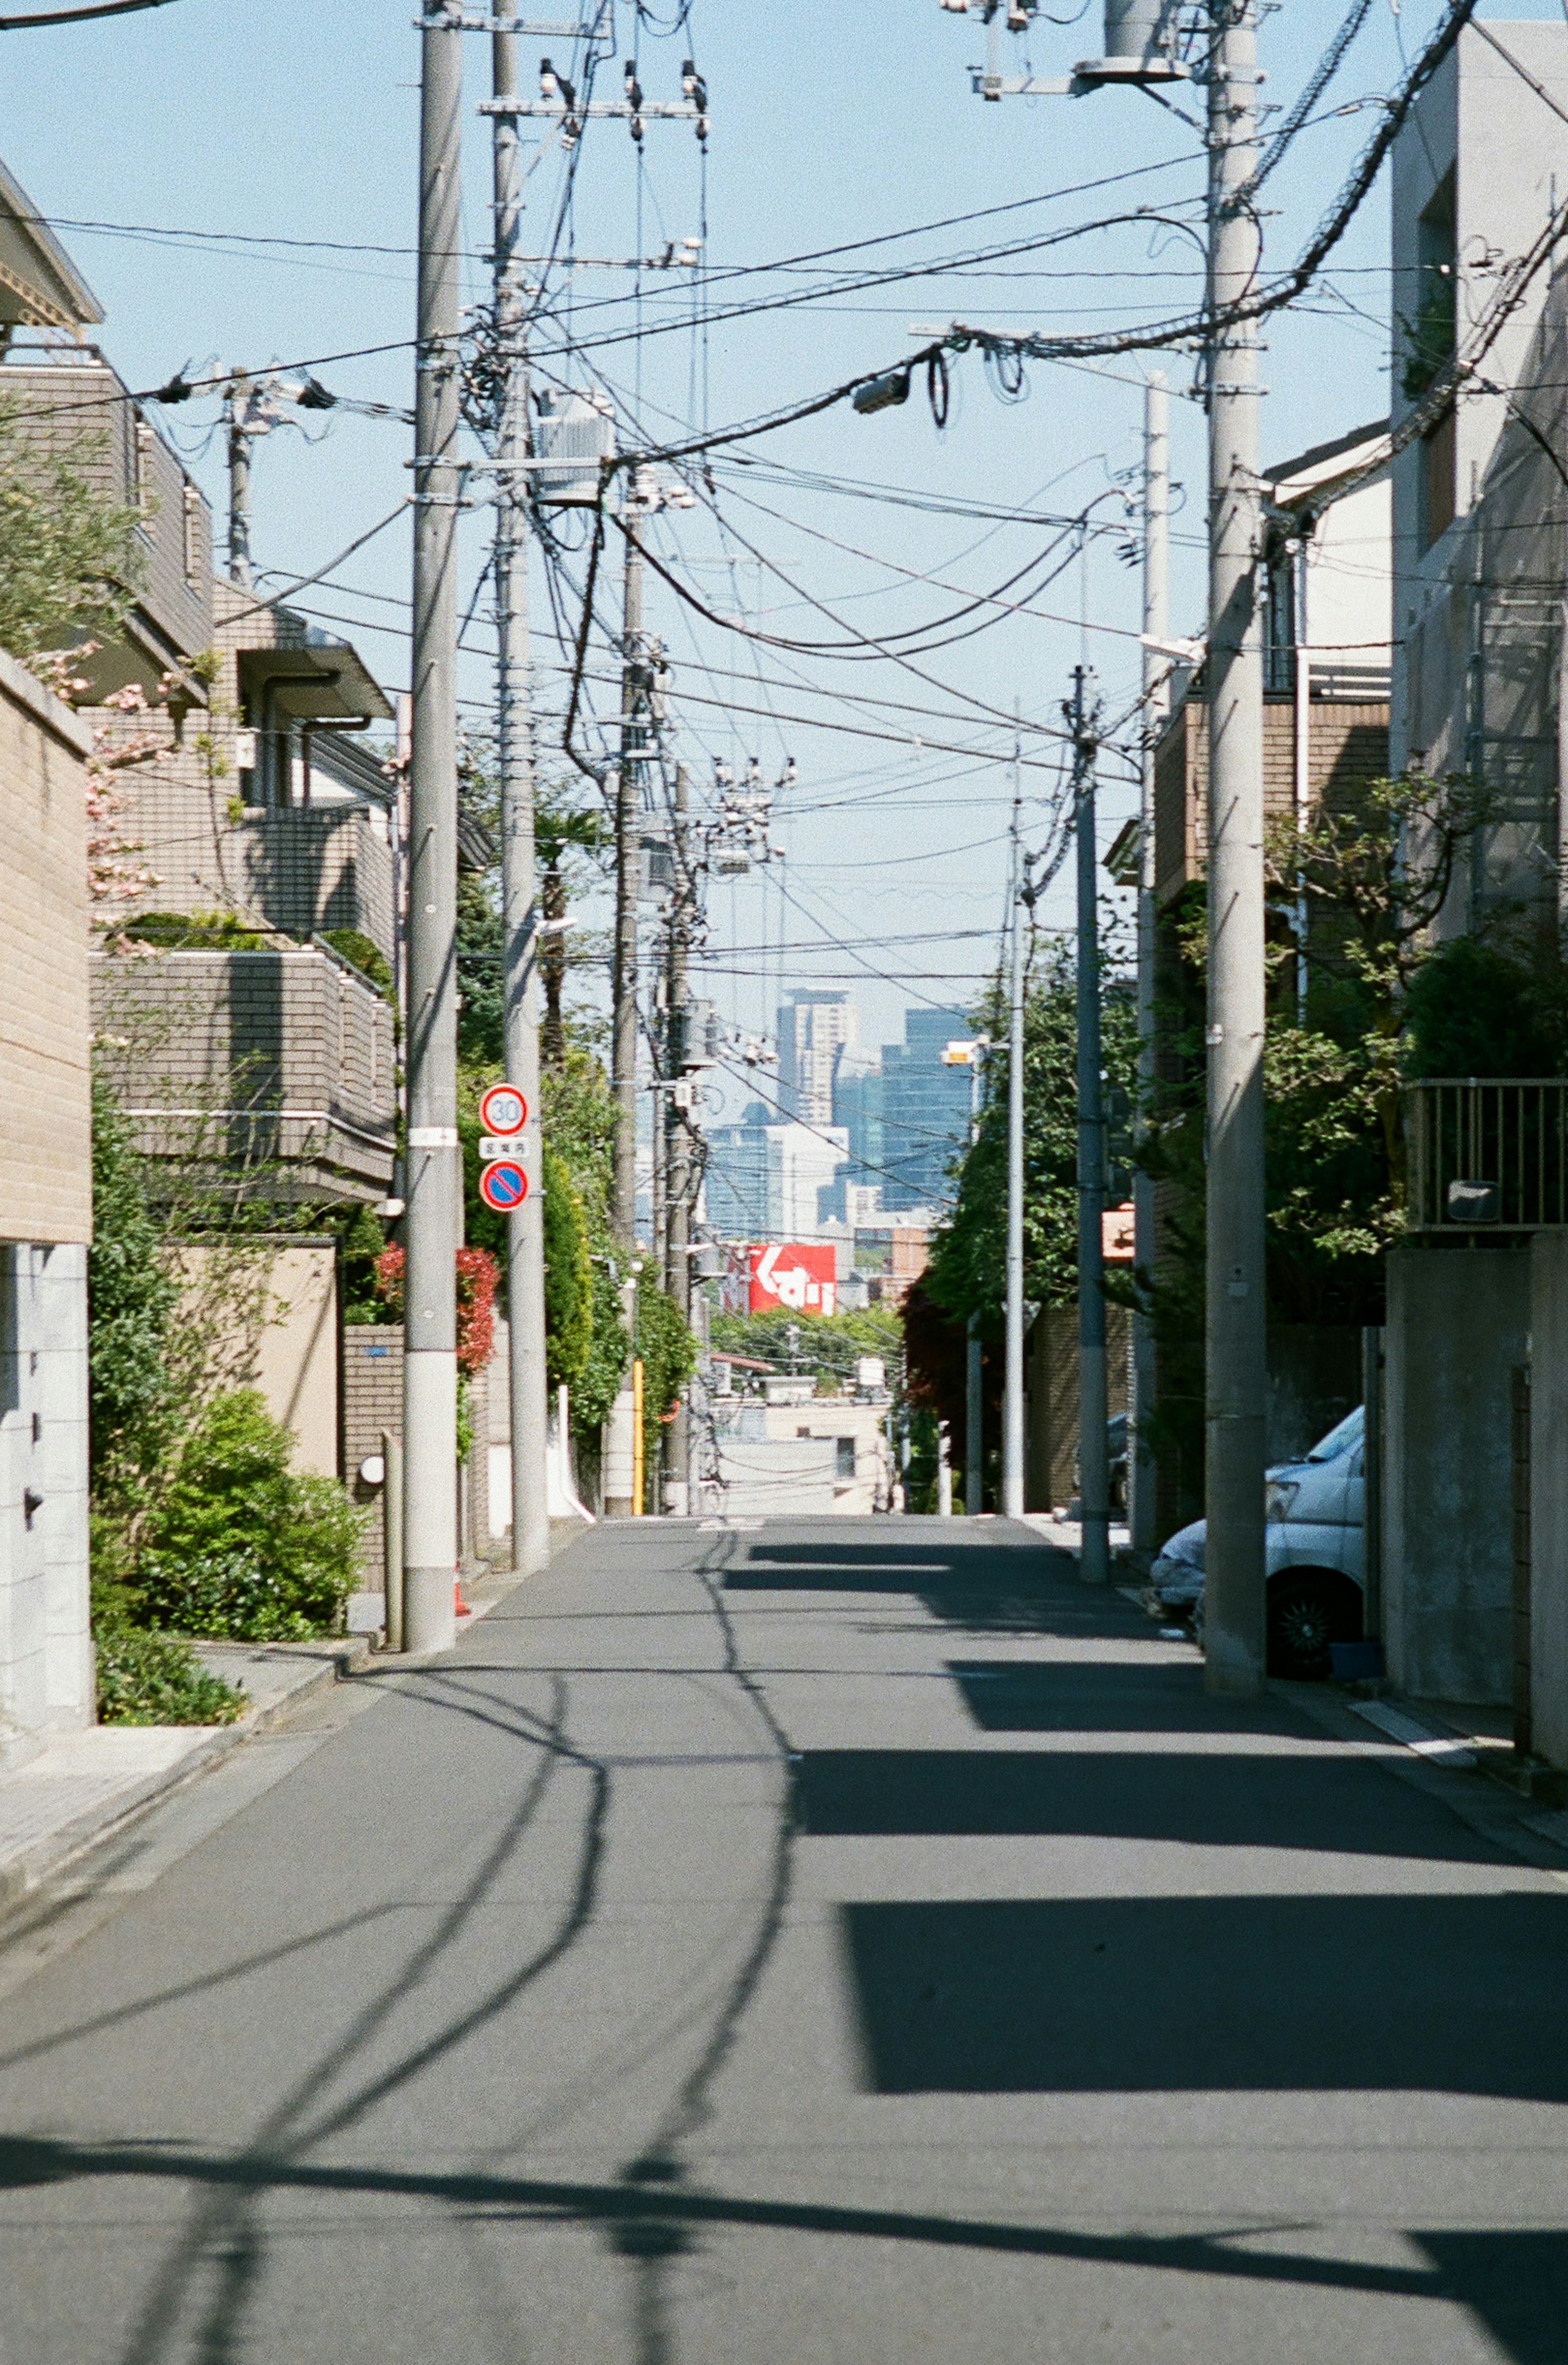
<point>845,1942</point>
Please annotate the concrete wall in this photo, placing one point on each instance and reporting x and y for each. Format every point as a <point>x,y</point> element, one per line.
<point>46,1215</point>
<point>1507,149</point>
<point>46,1168</point>
<point>46,1657</point>
<point>269,1310</point>
<point>1549,1497</point>
<point>1458,1324</point>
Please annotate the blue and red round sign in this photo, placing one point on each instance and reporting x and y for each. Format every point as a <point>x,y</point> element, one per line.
<point>503,1186</point>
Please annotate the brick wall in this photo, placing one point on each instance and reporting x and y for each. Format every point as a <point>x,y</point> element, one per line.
<point>299,869</point>
<point>81,412</point>
<point>1347,745</point>
<point>373,1401</point>
<point>261,1060</point>
<point>46,1189</point>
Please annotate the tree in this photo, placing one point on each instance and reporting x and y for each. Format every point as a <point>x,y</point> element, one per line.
<point>130,1306</point>
<point>967,1272</point>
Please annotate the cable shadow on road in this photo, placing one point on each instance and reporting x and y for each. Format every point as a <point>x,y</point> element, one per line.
<point>1516,2283</point>
<point>226,2227</point>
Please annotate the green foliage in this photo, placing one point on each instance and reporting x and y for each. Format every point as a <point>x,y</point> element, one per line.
<point>147,1678</point>
<point>826,1345</point>
<point>362,953</point>
<point>668,1354</point>
<point>481,1017</point>
<point>568,1276</point>
<point>130,1305</point>
<point>969,1254</point>
<point>194,932</point>
<point>233,1497</point>
<point>1481,1008</point>
<point>362,1236</point>
<point>609,1351</point>
<point>70,558</point>
<point>1430,336</point>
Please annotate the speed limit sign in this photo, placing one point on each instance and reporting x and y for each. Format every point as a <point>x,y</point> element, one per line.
<point>503,1110</point>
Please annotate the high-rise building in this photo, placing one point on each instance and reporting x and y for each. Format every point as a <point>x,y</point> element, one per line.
<point>814,1030</point>
<point>924,1111</point>
<point>771,1182</point>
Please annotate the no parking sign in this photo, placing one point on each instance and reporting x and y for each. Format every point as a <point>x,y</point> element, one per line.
<point>504,1186</point>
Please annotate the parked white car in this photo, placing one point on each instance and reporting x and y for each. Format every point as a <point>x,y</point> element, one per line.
<point>1316,1545</point>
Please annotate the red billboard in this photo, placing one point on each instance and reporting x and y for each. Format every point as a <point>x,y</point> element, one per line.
<point>799,1274</point>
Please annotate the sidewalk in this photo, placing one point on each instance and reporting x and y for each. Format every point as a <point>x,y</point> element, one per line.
<point>82,1785</point>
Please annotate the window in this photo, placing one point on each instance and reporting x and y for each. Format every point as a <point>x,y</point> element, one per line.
<point>844,1456</point>
<point>1438,461</point>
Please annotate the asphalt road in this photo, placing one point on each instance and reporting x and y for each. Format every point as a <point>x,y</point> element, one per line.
<point>846,1942</point>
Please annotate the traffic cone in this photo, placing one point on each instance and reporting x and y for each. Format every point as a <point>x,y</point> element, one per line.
<point>460,1607</point>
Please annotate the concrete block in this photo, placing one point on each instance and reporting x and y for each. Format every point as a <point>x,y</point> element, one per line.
<point>1458,1326</point>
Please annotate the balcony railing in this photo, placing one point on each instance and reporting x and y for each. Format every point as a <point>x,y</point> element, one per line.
<point>1488,1154</point>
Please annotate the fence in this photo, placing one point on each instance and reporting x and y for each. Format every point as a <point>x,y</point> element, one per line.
<point>1488,1151</point>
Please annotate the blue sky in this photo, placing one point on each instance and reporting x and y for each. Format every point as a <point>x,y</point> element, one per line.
<point>272,120</point>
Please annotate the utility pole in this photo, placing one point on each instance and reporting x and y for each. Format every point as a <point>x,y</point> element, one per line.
<point>974,1367</point>
<point>1094,1467</point>
<point>1013,1399</point>
<point>1138,40</point>
<point>618,1503</point>
<point>677,1197</point>
<point>434,1190</point>
<point>1234,1584</point>
<point>1155,706</point>
<point>527,1387</point>
<point>236,404</point>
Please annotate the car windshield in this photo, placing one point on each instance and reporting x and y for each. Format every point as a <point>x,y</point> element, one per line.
<point>1340,1438</point>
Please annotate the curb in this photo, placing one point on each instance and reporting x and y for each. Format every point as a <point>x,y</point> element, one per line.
<point>25,1872</point>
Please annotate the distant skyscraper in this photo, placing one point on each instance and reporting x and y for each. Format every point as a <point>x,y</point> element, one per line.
<point>768,1181</point>
<point>924,1110</point>
<point>815,1029</point>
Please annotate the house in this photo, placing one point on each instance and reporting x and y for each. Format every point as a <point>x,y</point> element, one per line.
<point>46,1216</point>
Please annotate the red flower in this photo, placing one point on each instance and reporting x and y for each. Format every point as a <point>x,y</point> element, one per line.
<point>477,1274</point>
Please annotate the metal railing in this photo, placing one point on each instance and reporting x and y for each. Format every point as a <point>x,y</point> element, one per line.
<point>1488,1154</point>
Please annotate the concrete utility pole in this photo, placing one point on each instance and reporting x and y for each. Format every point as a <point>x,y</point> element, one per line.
<point>527,1385</point>
<point>1156,707</point>
<point>1238,1371</point>
<point>1013,1399</point>
<point>678,1200</point>
<point>236,404</point>
<point>1138,41</point>
<point>619,1444</point>
<point>1094,1470</point>
<point>974,1367</point>
<point>432,1223</point>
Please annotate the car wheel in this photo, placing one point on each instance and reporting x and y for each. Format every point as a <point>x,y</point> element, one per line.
<point>1301,1626</point>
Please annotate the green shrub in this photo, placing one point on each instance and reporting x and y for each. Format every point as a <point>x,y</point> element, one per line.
<point>220,1593</point>
<point>156,1679</point>
<point>568,1277</point>
<point>235,1503</point>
